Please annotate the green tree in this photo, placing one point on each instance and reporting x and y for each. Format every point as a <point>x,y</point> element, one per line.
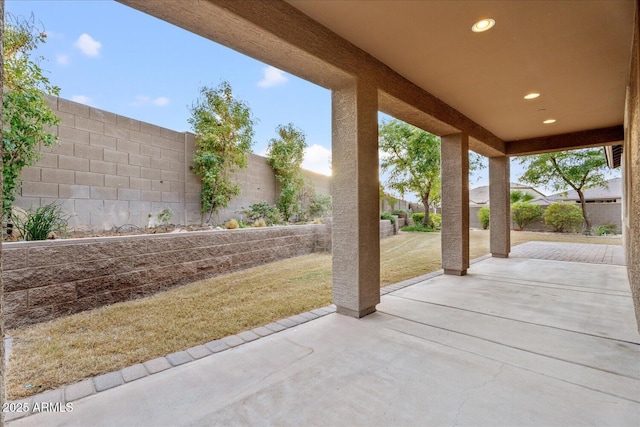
<point>411,161</point>
<point>562,216</point>
<point>520,196</point>
<point>285,155</point>
<point>223,126</point>
<point>26,117</point>
<point>577,169</point>
<point>524,213</point>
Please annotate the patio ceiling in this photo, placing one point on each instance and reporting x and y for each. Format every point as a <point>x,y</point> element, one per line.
<point>576,54</point>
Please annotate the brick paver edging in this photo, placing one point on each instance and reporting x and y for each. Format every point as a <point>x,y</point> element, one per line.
<point>73,392</point>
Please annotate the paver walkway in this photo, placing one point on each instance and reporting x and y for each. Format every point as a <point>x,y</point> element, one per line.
<point>572,252</point>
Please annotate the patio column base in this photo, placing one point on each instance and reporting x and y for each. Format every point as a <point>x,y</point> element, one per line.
<point>500,255</point>
<point>455,272</point>
<point>357,314</point>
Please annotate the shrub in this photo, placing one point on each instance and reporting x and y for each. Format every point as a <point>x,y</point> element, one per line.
<point>232,224</point>
<point>606,229</point>
<point>524,213</point>
<point>389,217</point>
<point>400,212</point>
<point>165,216</point>
<point>417,227</point>
<point>436,220</point>
<point>320,205</point>
<point>563,216</point>
<point>39,223</point>
<point>263,210</point>
<point>418,217</point>
<point>483,216</point>
<point>260,223</point>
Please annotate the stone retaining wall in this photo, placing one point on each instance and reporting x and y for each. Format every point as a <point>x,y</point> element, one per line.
<point>48,279</point>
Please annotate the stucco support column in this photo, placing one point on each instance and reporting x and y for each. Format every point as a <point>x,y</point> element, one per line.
<point>455,204</point>
<point>356,220</point>
<point>500,206</point>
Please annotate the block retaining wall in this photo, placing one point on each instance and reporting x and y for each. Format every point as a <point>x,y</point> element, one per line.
<point>49,279</point>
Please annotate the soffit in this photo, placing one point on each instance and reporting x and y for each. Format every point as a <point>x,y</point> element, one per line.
<point>575,53</point>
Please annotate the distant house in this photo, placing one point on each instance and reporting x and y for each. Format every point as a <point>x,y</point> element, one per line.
<point>479,196</point>
<point>603,203</point>
<point>611,193</point>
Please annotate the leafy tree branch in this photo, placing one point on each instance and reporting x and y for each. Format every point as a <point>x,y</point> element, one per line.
<point>285,155</point>
<point>27,120</point>
<point>223,126</point>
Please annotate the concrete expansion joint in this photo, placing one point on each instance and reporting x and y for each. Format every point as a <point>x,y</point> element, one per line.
<point>91,386</point>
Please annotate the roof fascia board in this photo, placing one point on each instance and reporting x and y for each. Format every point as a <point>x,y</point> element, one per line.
<point>568,141</point>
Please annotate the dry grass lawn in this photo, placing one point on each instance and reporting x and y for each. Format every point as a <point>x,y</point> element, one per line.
<point>48,355</point>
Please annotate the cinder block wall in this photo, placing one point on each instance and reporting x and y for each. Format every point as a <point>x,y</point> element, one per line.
<point>109,170</point>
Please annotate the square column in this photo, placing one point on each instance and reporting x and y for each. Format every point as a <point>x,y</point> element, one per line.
<point>455,204</point>
<point>356,219</point>
<point>499,206</point>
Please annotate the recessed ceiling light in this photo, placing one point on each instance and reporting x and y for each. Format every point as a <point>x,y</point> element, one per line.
<point>532,95</point>
<point>483,25</point>
<point>549,121</point>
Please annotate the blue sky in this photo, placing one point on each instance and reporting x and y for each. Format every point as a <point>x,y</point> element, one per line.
<point>112,57</point>
<point>118,59</point>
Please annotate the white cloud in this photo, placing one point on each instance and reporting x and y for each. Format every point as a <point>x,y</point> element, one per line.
<point>161,101</point>
<point>62,59</point>
<point>144,100</point>
<point>82,99</point>
<point>272,77</point>
<point>317,159</point>
<point>88,45</point>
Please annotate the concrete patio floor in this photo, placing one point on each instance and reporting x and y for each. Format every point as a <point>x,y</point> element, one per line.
<point>517,341</point>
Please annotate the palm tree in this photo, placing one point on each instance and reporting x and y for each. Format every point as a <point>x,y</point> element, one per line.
<point>521,196</point>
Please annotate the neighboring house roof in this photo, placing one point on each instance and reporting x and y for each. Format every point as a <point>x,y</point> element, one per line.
<point>613,190</point>
<point>480,195</point>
